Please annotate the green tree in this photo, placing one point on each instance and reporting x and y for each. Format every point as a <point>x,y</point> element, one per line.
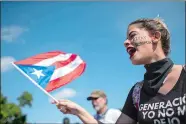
<point>25,99</point>
<point>11,113</point>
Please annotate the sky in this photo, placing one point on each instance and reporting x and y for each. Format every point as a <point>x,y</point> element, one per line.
<point>95,31</point>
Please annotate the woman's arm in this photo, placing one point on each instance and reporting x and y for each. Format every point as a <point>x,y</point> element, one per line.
<point>128,116</point>
<point>85,117</point>
<point>69,107</point>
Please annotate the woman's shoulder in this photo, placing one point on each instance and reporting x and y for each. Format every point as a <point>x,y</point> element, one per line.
<point>184,67</point>
<point>136,87</point>
<point>138,84</point>
<point>179,68</point>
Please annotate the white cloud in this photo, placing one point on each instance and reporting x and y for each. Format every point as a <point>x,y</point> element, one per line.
<point>6,63</point>
<point>11,33</point>
<point>65,93</point>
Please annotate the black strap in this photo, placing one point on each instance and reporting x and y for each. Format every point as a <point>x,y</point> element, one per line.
<point>184,67</point>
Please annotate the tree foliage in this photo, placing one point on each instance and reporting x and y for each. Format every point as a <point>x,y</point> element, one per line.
<point>11,113</point>
<point>25,99</point>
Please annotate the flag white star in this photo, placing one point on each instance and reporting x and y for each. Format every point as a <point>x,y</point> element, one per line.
<point>38,73</point>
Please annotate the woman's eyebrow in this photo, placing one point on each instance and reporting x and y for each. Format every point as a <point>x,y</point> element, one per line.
<point>128,35</point>
<point>131,33</point>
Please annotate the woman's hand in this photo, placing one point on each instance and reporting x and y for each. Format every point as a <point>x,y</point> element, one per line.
<point>68,107</point>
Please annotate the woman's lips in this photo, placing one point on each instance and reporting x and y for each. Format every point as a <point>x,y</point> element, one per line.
<point>131,51</point>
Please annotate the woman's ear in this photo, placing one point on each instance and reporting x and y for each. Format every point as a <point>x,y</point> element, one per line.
<point>156,37</point>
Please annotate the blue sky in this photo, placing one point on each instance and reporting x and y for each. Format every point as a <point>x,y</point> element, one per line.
<point>93,30</point>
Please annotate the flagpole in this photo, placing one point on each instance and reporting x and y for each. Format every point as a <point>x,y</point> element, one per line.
<point>36,84</point>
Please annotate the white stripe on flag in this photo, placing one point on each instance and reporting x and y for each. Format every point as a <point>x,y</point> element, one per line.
<point>50,61</point>
<point>66,69</point>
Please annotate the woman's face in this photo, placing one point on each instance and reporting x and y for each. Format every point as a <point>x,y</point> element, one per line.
<point>139,45</point>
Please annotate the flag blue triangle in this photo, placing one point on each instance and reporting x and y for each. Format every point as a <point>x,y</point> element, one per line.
<point>40,74</point>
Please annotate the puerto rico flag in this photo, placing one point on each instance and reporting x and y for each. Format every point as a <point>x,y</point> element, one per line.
<point>52,70</point>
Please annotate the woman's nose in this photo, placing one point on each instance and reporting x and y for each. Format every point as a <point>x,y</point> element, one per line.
<point>126,43</point>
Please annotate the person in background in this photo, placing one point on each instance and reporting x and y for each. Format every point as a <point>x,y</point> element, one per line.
<point>66,120</point>
<point>103,113</point>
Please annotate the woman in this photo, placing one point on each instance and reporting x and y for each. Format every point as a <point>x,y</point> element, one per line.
<point>161,97</point>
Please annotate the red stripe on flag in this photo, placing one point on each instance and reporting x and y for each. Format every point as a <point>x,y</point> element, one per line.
<point>52,85</point>
<point>38,58</point>
<point>60,64</point>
